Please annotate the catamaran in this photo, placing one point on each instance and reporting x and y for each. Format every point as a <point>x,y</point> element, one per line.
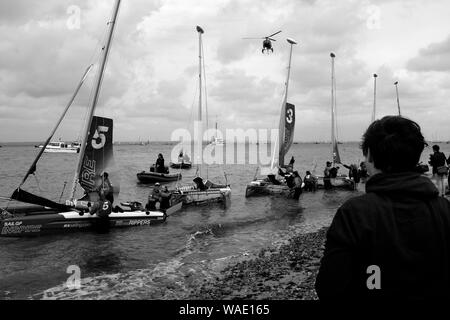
<point>267,186</point>
<point>184,161</point>
<point>204,191</point>
<point>341,180</point>
<point>95,159</point>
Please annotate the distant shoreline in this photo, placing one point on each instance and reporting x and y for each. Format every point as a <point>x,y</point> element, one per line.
<point>131,143</point>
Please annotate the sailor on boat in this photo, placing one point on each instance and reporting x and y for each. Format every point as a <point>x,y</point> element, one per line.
<point>159,166</point>
<point>159,199</point>
<point>106,188</point>
<point>154,197</point>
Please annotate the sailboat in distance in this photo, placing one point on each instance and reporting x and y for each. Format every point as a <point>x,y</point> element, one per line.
<point>286,127</point>
<point>95,159</point>
<point>204,191</point>
<point>216,140</point>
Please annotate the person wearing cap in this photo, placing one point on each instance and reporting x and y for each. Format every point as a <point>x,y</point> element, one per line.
<point>154,197</point>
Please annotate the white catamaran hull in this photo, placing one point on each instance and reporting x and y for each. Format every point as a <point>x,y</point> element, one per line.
<point>261,187</point>
<point>199,197</point>
<point>63,222</point>
<point>343,182</point>
<point>67,150</point>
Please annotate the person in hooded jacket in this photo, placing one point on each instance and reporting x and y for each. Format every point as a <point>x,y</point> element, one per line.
<point>392,242</point>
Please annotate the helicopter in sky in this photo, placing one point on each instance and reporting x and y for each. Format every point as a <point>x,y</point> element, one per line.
<point>267,43</point>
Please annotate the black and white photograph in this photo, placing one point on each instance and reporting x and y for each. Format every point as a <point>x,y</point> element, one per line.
<point>225,156</point>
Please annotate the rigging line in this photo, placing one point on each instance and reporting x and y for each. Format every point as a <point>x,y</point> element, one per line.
<point>62,192</point>
<point>206,93</point>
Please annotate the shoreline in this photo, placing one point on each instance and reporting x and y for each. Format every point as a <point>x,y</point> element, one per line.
<point>286,272</point>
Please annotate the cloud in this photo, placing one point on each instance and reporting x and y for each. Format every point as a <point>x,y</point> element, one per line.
<point>435,57</point>
<point>150,84</point>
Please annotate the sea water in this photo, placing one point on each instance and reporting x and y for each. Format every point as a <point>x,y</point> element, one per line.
<point>162,261</point>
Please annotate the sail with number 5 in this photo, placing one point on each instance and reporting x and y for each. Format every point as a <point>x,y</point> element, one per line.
<point>98,153</point>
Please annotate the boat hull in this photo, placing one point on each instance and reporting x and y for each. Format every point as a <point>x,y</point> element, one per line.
<point>344,183</point>
<point>260,188</point>
<point>151,177</point>
<point>183,165</point>
<point>65,222</point>
<point>198,197</point>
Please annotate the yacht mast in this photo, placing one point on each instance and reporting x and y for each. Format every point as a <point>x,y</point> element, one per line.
<point>374,97</point>
<point>98,83</point>
<point>333,137</point>
<point>200,124</point>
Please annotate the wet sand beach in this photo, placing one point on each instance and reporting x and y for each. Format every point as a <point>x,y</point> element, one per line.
<point>287,272</point>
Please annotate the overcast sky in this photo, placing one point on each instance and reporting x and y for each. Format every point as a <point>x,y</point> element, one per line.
<point>151,85</point>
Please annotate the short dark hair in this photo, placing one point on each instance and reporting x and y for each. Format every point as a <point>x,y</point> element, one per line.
<point>436,148</point>
<point>395,144</point>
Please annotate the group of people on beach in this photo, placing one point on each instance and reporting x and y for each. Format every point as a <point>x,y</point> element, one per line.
<point>309,183</point>
<point>354,174</point>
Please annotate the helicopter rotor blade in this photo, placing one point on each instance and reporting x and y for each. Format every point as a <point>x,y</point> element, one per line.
<point>274,34</point>
<point>271,39</point>
<point>253,38</point>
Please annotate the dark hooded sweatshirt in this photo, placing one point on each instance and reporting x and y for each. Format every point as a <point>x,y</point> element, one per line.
<point>400,225</point>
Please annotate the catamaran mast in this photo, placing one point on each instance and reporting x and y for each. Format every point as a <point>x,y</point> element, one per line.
<point>104,58</point>
<point>398,100</point>
<point>200,32</point>
<point>374,96</point>
<point>333,101</point>
<point>283,108</point>
<point>200,124</point>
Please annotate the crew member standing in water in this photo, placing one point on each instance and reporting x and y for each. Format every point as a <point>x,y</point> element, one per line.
<point>297,186</point>
<point>327,176</point>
